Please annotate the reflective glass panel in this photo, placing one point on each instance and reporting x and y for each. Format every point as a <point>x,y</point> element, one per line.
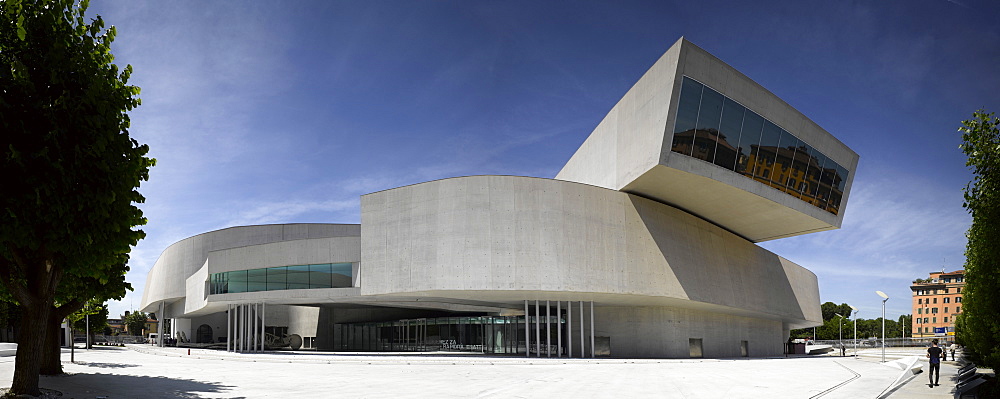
<point>276,278</point>
<point>808,162</point>
<point>763,155</point>
<point>707,129</point>
<point>341,275</point>
<point>726,151</point>
<point>687,116</point>
<point>839,180</point>
<point>237,281</point>
<point>752,125</point>
<point>256,280</point>
<point>783,162</point>
<point>319,276</point>
<point>298,277</point>
<point>816,189</point>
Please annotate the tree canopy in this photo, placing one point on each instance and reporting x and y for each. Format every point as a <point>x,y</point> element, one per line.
<point>867,328</point>
<point>69,169</point>
<point>979,324</point>
<point>135,322</point>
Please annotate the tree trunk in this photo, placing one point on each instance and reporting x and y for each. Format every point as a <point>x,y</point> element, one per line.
<point>51,353</point>
<point>30,344</point>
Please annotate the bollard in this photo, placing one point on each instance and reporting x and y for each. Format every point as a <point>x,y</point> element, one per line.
<point>189,351</point>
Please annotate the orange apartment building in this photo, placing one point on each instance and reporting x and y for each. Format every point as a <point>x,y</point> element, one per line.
<point>936,302</point>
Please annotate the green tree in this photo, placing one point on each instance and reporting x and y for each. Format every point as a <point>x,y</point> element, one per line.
<point>980,327</point>
<point>69,169</point>
<point>98,313</point>
<point>135,322</point>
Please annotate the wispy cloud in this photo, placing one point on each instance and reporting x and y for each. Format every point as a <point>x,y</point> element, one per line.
<point>897,227</point>
<point>284,211</point>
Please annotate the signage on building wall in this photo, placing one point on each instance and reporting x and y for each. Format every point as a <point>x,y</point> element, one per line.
<point>939,330</point>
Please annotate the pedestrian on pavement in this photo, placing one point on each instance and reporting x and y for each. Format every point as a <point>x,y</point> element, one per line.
<point>952,348</point>
<point>934,354</point>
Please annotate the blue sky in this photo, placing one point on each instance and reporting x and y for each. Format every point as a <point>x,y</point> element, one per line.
<point>282,112</point>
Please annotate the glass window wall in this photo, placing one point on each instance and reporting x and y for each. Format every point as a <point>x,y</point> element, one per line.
<point>715,128</point>
<point>326,275</point>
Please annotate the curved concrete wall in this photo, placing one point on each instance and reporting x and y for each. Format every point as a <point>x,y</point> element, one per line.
<point>167,280</point>
<point>505,239</point>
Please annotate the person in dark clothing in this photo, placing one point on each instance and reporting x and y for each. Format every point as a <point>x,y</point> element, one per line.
<point>934,354</point>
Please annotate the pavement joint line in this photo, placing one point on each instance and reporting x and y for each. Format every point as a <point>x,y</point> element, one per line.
<point>831,389</point>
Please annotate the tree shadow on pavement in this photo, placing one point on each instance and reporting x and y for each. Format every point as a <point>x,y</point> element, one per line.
<point>130,386</point>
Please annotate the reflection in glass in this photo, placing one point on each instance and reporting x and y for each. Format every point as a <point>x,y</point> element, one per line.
<point>726,152</point>
<point>319,276</point>
<point>762,155</point>
<point>237,281</point>
<point>707,130</point>
<point>276,278</point>
<point>687,116</point>
<point>714,128</point>
<point>298,277</point>
<point>341,274</point>
<point>256,280</point>
<point>338,275</point>
<point>783,161</point>
<point>752,125</point>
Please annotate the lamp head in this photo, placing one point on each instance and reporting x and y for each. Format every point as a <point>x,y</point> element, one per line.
<point>883,295</point>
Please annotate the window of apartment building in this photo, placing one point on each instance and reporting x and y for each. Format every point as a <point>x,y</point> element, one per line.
<point>959,290</point>
<point>934,310</point>
<point>925,320</point>
<point>947,280</point>
<point>946,300</point>
<point>945,290</point>
<point>946,309</point>
<point>958,299</point>
<point>920,310</point>
<point>946,319</point>
<point>920,301</point>
<point>958,309</point>
<point>933,319</point>
<point>918,320</point>
<point>935,300</point>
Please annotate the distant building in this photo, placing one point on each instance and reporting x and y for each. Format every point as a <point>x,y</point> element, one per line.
<point>937,300</point>
<point>117,326</point>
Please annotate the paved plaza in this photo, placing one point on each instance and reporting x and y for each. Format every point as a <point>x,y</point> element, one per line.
<point>143,371</point>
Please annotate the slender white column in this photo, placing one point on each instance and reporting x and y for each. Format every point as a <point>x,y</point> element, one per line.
<point>527,333</point>
<point>569,327</point>
<point>229,325</point>
<point>583,351</point>
<point>558,328</point>
<point>538,331</point>
<point>263,331</point>
<point>592,348</point>
<point>159,325</point>
<point>548,330</point>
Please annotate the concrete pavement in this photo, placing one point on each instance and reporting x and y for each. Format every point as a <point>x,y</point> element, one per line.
<point>143,371</point>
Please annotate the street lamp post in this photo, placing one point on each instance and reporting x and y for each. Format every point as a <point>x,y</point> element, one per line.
<point>884,298</point>
<point>841,340</point>
<point>855,331</point>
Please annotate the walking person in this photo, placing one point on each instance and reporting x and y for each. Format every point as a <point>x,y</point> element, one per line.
<point>934,354</point>
<point>952,348</point>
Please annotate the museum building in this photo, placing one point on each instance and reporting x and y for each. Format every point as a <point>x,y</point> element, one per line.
<point>643,245</point>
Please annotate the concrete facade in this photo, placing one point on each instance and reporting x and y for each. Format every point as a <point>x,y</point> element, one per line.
<point>632,251</point>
